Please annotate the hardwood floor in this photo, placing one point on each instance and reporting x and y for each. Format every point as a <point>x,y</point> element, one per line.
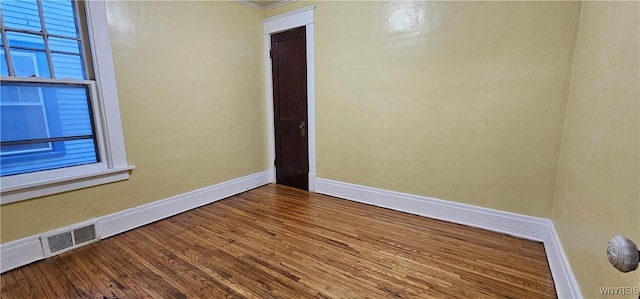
<point>280,242</point>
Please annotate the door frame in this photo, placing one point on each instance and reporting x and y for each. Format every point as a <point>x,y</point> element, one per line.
<point>297,18</point>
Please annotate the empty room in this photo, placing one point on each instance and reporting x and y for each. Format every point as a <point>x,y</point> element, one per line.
<point>319,149</point>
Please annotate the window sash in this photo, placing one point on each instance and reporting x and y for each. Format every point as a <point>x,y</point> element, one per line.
<point>94,102</point>
<point>84,53</point>
<point>26,180</point>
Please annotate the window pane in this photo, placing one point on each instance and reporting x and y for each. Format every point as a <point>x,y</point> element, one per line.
<point>73,109</point>
<point>21,14</point>
<point>32,41</point>
<point>4,70</point>
<point>66,107</point>
<point>62,154</point>
<point>67,66</point>
<point>29,63</point>
<point>59,17</point>
<point>63,44</point>
<point>20,122</point>
<point>27,94</point>
<point>31,111</point>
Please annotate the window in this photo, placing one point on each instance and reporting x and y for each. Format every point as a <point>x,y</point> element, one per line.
<point>60,125</point>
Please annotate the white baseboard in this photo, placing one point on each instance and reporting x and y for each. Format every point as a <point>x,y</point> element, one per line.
<point>119,222</point>
<point>527,227</point>
<point>24,251</point>
<point>20,252</point>
<point>566,283</point>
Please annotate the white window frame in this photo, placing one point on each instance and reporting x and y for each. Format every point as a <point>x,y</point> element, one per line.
<point>113,165</point>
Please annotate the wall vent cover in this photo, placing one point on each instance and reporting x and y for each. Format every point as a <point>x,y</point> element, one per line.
<point>84,234</point>
<point>61,241</point>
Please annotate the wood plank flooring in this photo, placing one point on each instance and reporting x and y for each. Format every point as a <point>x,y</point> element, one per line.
<point>279,242</point>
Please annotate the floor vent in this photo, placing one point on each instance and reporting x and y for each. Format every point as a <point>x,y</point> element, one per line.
<point>60,242</point>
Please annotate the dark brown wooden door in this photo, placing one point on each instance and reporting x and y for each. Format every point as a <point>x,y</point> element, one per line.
<point>289,69</point>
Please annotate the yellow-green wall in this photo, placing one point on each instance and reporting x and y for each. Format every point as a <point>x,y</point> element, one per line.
<point>191,88</point>
<point>462,101</point>
<point>598,189</point>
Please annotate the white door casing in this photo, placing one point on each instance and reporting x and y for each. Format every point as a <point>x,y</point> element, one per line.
<point>279,23</point>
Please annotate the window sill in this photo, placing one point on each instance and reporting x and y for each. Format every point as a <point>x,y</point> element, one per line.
<point>13,192</point>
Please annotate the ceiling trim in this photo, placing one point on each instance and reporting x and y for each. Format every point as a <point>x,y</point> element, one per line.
<point>258,7</point>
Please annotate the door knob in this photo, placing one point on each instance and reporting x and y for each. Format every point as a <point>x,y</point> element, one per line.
<point>623,254</point>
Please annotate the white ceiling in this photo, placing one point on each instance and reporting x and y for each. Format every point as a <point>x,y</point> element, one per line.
<point>264,4</point>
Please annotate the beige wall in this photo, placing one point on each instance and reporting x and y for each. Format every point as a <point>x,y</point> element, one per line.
<point>461,101</point>
<point>598,189</point>
<point>190,81</point>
